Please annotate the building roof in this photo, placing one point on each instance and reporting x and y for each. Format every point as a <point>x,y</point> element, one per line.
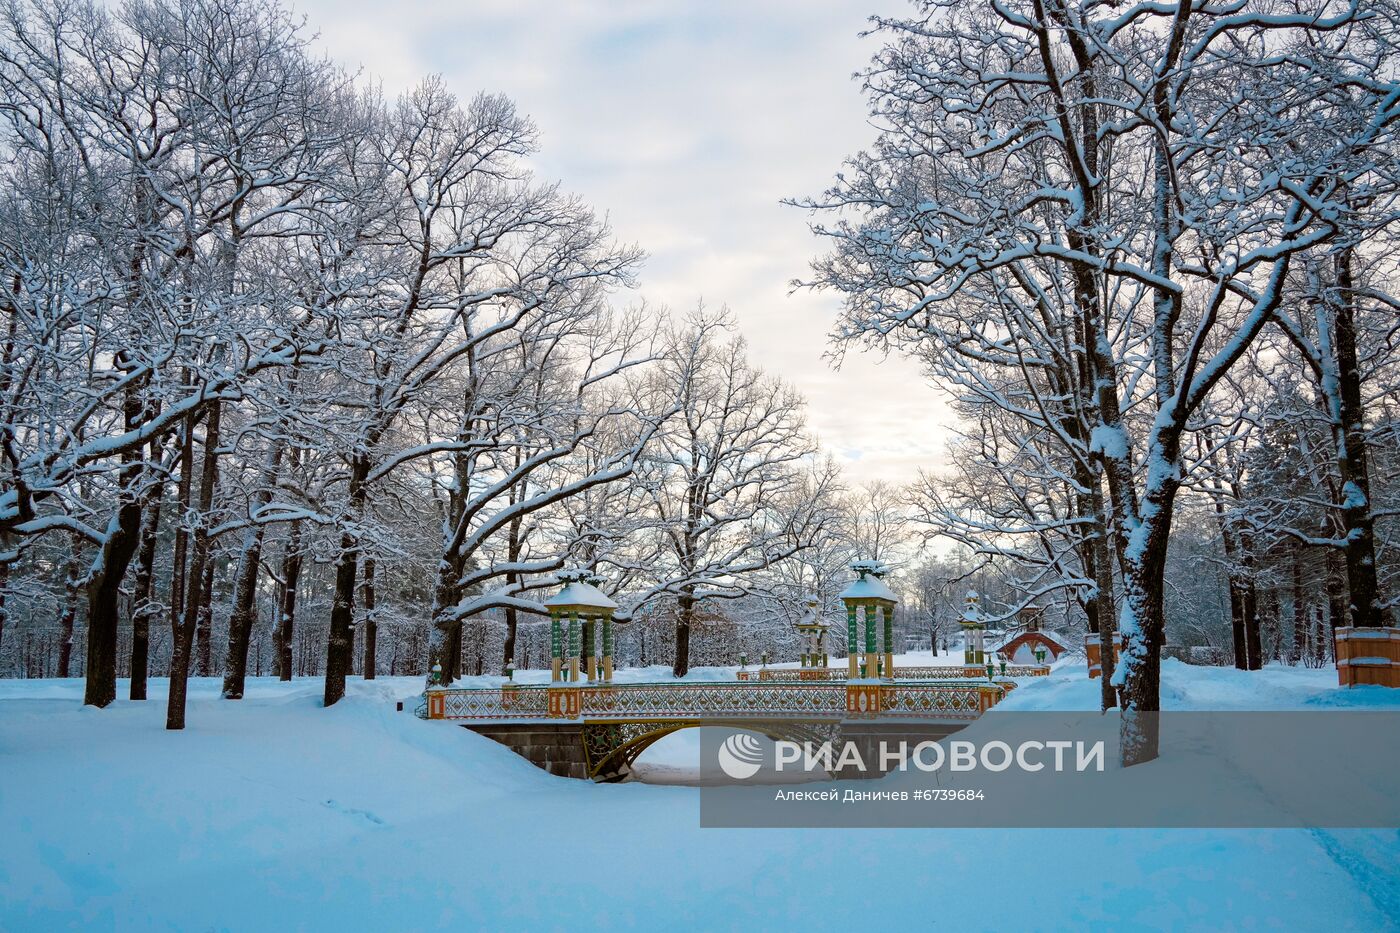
<point>1052,643</point>
<point>810,618</point>
<point>579,595</point>
<point>869,587</point>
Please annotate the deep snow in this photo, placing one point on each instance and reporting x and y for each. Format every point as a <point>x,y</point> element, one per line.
<point>273,813</point>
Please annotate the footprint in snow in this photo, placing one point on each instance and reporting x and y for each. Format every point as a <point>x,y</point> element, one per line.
<point>365,815</point>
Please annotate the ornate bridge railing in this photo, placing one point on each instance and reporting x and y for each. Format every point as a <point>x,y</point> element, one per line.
<point>801,700</point>
<point>716,701</point>
<point>932,672</point>
<point>923,701</point>
<point>493,703</point>
<point>970,670</point>
<point>793,673</point>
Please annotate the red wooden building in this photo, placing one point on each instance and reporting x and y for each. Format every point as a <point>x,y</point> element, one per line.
<point>1022,648</point>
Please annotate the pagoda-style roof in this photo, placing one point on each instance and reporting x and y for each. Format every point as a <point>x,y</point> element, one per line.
<point>810,618</point>
<point>972,612</point>
<point>869,588</point>
<point>581,596</point>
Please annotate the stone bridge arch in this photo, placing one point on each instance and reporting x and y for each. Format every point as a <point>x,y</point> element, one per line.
<point>611,748</point>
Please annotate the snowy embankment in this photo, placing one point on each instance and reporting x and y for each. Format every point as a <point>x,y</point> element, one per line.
<point>1187,687</point>
<point>272,813</point>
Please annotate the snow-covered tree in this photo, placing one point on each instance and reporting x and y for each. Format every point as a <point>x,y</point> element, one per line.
<point>730,493</point>
<point>1109,164</point>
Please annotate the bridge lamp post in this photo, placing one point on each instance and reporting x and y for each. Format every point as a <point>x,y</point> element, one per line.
<point>573,614</point>
<point>868,593</point>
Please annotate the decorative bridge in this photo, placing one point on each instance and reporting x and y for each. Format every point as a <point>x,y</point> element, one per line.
<point>598,730</point>
<point>584,725</point>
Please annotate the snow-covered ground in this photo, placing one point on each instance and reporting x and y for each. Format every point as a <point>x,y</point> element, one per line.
<point>1187,687</point>
<point>273,814</point>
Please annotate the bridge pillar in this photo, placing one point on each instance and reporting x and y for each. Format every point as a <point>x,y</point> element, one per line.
<point>607,649</point>
<point>437,702</point>
<point>889,641</point>
<point>590,660</point>
<point>870,592</point>
<point>874,739</point>
<point>555,747</point>
<point>573,646</point>
<point>862,699</point>
<point>851,649</point>
<point>564,701</point>
<point>556,652</point>
<point>871,656</point>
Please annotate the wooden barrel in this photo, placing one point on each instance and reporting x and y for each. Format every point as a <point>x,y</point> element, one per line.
<point>1368,656</point>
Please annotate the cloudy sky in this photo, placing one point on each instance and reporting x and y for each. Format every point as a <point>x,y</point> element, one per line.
<point>686,122</point>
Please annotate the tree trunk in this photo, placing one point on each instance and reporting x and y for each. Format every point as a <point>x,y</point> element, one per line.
<point>1271,621</point>
<point>1237,622</point>
<point>1235,578</point>
<point>1365,605</point>
<point>287,594</point>
<point>1094,555</point>
<point>287,603</point>
<point>1249,606</point>
<point>4,597</point>
<point>242,615</point>
<point>508,649</point>
<point>1138,735</point>
<point>204,619</point>
<point>104,595</point>
<point>341,640</point>
<point>104,584</point>
<point>453,668</point>
<point>1143,558</point>
<point>340,645</point>
<point>1337,603</point>
<point>199,558</point>
<point>445,633</point>
<point>245,587</point>
<point>513,549</point>
<point>685,616</point>
<point>1300,612</point>
<point>72,584</point>
<point>144,600</point>
<point>180,554</point>
<point>371,625</point>
<point>1104,604</point>
<point>1317,651</point>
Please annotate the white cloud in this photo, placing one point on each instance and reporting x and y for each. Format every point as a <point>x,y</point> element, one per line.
<point>686,122</point>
